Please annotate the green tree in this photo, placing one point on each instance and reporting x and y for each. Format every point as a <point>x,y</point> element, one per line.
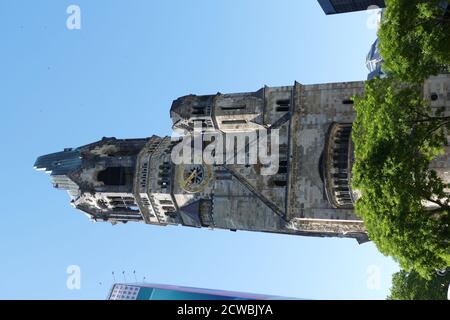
<point>395,139</point>
<point>415,38</point>
<point>412,286</point>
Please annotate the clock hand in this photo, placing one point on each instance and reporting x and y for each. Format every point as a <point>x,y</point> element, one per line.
<point>191,177</point>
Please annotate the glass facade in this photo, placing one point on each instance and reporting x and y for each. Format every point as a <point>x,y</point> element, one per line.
<point>343,6</point>
<point>148,291</point>
<point>374,62</point>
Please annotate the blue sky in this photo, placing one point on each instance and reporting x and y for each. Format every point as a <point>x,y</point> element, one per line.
<point>117,76</point>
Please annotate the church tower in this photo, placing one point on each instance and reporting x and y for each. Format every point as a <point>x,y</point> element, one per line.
<point>309,192</point>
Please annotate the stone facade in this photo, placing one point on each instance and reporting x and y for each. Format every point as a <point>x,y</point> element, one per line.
<point>308,194</point>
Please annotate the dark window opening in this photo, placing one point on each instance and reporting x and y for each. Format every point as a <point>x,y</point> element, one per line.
<point>199,111</point>
<point>282,170</point>
<point>321,167</point>
<point>434,97</point>
<point>280,183</point>
<point>116,176</point>
<point>282,109</point>
<point>283,167</point>
<point>117,203</point>
<point>284,103</point>
<point>234,122</point>
<point>348,101</point>
<point>241,107</point>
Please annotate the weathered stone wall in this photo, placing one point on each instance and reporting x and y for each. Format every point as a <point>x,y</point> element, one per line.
<point>316,108</point>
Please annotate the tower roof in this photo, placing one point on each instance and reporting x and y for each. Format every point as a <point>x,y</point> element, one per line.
<point>60,165</point>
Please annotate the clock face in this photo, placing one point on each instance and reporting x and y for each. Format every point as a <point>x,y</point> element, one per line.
<point>195,177</point>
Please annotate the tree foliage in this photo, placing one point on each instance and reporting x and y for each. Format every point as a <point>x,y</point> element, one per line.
<point>411,286</point>
<point>395,139</point>
<point>415,38</point>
